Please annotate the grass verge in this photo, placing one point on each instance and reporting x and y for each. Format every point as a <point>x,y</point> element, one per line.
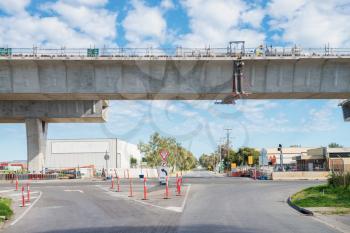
<point>322,196</point>
<point>5,209</point>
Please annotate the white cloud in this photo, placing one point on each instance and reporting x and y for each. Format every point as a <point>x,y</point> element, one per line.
<point>86,2</point>
<point>144,26</point>
<point>98,24</point>
<point>14,6</point>
<point>312,23</point>
<point>215,23</point>
<point>68,25</point>
<point>167,4</point>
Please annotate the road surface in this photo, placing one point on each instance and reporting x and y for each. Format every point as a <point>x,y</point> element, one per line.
<point>214,204</point>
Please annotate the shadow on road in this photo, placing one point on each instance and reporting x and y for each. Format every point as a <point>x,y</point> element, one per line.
<point>158,229</point>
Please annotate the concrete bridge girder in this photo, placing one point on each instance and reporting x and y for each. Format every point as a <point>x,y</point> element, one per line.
<point>173,79</point>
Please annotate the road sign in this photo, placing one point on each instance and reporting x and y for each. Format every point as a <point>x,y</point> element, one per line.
<point>250,160</point>
<point>163,172</point>
<point>106,157</point>
<point>164,154</point>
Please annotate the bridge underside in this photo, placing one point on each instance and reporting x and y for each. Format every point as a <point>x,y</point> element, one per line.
<point>174,96</point>
<point>37,114</point>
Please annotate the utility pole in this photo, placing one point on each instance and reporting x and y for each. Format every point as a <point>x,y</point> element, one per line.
<point>228,141</point>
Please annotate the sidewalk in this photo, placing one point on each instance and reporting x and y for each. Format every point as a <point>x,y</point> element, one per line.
<point>326,215</point>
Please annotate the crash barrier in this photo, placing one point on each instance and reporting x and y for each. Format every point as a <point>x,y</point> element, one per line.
<point>254,173</point>
<point>300,175</point>
<point>14,177</point>
<point>133,172</point>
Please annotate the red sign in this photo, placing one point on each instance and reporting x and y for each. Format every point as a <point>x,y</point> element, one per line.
<point>164,154</point>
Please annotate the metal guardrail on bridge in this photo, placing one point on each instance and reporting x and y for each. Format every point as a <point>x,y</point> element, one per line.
<point>180,52</point>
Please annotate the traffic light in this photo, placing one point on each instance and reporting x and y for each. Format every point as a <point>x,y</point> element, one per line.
<point>279,147</point>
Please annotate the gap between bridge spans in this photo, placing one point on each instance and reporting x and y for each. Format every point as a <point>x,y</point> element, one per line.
<point>177,209</point>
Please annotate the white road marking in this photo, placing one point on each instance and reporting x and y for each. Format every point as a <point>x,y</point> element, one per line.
<point>69,190</point>
<point>25,194</point>
<point>27,210</point>
<point>7,191</point>
<point>186,195</point>
<point>169,208</point>
<point>338,228</point>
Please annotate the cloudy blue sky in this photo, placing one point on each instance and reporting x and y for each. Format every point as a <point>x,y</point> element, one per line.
<point>199,125</point>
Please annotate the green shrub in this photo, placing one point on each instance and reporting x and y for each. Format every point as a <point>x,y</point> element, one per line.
<point>339,180</point>
<point>5,209</point>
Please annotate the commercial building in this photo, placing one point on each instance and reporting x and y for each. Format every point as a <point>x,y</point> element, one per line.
<point>290,155</point>
<point>73,153</point>
<point>324,158</point>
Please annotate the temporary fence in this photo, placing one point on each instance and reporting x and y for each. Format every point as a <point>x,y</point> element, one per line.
<point>15,177</point>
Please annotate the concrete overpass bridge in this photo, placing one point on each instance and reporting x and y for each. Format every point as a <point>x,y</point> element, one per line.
<point>42,86</point>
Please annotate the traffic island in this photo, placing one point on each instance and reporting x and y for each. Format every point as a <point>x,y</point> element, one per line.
<point>5,209</point>
<point>327,203</point>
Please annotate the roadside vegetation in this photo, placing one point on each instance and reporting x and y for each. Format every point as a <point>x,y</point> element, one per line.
<point>179,157</point>
<point>5,209</point>
<point>239,157</point>
<point>334,194</point>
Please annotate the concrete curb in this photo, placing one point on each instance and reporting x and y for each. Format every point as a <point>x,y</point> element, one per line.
<point>299,209</point>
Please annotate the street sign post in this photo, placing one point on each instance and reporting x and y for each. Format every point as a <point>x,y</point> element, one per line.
<point>106,157</point>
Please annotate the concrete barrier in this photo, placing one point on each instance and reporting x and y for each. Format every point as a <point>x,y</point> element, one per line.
<point>134,172</point>
<point>300,175</point>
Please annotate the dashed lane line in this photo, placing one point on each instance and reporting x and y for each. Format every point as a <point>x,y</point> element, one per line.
<point>27,210</point>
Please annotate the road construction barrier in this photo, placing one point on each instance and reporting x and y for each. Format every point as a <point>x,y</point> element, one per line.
<point>166,196</point>
<point>13,177</point>
<point>118,184</point>
<point>17,184</point>
<point>28,193</point>
<point>23,203</point>
<point>112,183</point>
<point>144,188</point>
<point>130,187</point>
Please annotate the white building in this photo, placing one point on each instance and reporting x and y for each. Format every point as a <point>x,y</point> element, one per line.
<point>290,154</point>
<point>72,153</point>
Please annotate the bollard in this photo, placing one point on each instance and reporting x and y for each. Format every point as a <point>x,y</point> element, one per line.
<point>28,193</point>
<point>144,188</point>
<point>23,204</point>
<point>118,184</point>
<point>254,174</point>
<point>178,187</point>
<point>17,184</point>
<point>130,187</point>
<point>112,183</point>
<point>166,188</point>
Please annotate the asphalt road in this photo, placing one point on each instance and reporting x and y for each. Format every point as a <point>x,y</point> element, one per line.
<point>214,204</point>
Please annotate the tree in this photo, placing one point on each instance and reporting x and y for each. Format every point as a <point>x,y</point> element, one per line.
<point>334,145</point>
<point>178,156</point>
<point>243,154</point>
<point>208,161</point>
<point>133,162</point>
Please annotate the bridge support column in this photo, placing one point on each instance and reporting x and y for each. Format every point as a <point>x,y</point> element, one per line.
<point>36,143</point>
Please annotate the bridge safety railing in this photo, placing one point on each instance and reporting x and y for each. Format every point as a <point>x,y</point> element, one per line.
<point>267,51</point>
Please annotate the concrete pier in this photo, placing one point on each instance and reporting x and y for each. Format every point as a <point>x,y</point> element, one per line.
<point>36,143</point>
<point>37,114</point>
